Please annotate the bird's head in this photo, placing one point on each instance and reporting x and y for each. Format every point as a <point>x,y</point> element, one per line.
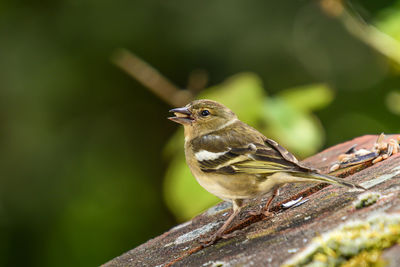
<point>203,116</point>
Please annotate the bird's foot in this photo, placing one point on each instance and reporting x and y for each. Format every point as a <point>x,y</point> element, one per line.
<point>208,241</point>
<point>261,212</point>
<point>233,234</point>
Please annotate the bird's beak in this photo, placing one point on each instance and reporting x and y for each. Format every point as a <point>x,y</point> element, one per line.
<point>182,116</point>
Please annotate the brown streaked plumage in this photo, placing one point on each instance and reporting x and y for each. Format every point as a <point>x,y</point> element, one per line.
<point>234,161</point>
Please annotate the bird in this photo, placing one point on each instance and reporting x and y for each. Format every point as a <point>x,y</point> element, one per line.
<point>235,162</point>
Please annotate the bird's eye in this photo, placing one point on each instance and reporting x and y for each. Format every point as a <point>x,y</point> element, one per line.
<point>205,113</point>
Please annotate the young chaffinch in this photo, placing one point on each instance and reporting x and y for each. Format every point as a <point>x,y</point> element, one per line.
<point>234,161</point>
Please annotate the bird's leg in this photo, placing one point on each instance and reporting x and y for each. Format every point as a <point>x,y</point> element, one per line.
<point>237,206</point>
<point>265,210</point>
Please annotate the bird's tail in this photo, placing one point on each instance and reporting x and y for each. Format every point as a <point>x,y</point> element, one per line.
<point>323,178</point>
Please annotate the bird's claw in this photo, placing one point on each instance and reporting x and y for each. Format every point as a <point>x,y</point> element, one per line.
<point>208,241</point>
<point>260,211</point>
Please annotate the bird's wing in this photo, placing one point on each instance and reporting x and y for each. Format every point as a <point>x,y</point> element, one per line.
<point>255,159</point>
<point>240,155</point>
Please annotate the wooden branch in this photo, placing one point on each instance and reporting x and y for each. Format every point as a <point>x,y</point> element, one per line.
<point>151,78</point>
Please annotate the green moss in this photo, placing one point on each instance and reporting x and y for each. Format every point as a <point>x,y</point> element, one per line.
<point>366,199</point>
<point>356,243</point>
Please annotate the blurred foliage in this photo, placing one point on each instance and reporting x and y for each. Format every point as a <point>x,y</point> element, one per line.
<point>389,20</point>
<point>82,172</point>
<point>285,117</point>
<point>393,101</point>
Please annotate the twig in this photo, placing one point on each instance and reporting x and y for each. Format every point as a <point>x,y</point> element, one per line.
<point>151,78</point>
<point>370,35</point>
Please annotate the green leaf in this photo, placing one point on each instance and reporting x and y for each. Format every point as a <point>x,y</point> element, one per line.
<point>309,97</point>
<point>298,131</point>
<point>389,21</point>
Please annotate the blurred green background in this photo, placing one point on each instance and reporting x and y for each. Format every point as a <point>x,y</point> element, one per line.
<point>91,168</point>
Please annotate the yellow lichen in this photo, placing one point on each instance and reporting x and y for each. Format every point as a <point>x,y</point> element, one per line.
<point>355,243</point>
<point>366,258</point>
